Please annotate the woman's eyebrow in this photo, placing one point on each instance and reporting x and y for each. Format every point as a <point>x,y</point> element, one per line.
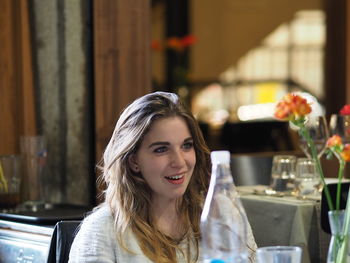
<point>167,143</point>
<point>158,143</point>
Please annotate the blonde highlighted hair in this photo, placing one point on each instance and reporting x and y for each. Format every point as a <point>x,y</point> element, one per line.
<point>127,193</point>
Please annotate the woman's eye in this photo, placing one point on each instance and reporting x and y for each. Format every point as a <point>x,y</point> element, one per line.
<point>160,149</point>
<point>188,145</point>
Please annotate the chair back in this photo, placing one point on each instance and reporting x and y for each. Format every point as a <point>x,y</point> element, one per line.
<point>61,241</point>
<point>251,170</point>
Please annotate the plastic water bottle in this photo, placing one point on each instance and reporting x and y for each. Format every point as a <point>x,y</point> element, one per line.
<point>223,220</point>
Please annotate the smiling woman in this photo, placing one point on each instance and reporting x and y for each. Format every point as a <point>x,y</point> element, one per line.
<point>156,167</point>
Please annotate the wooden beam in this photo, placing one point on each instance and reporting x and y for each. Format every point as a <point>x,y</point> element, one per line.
<point>8,92</point>
<point>121,61</point>
<point>335,56</point>
<point>17,114</point>
<point>28,119</point>
<point>122,66</point>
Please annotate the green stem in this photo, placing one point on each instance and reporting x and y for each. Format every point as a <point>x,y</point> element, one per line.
<point>343,251</point>
<point>305,133</point>
<point>340,178</point>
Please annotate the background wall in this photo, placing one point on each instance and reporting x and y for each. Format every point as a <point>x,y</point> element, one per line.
<point>59,81</point>
<point>227,30</point>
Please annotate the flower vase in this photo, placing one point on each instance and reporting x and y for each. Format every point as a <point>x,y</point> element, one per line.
<point>338,238</point>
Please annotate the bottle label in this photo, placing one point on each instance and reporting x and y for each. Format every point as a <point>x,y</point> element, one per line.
<point>214,261</point>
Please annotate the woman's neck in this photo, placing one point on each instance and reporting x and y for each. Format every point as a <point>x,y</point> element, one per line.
<point>166,218</point>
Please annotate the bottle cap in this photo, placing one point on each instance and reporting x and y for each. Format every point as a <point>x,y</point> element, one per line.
<point>220,157</point>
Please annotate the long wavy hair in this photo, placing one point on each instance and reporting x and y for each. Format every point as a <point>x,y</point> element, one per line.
<point>129,196</point>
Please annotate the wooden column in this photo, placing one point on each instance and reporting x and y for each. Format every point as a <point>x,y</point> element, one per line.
<point>121,61</point>
<point>17,113</point>
<point>336,67</point>
<point>347,52</point>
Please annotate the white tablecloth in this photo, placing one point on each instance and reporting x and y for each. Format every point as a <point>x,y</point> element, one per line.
<point>286,221</point>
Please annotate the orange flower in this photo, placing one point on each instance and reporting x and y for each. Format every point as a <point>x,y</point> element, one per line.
<point>335,140</point>
<point>155,45</point>
<point>345,110</point>
<point>175,43</point>
<point>292,107</point>
<point>346,153</point>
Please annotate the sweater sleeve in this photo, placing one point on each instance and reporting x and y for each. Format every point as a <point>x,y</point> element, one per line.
<point>95,241</point>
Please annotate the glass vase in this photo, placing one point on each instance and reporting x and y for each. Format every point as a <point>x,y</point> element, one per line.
<point>338,239</point>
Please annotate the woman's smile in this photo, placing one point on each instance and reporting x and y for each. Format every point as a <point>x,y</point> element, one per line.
<point>176,179</point>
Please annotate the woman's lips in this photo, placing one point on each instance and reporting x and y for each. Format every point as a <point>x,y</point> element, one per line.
<point>176,179</point>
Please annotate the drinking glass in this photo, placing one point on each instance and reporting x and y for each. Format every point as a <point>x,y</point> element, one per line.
<point>340,125</point>
<point>279,254</point>
<point>307,179</point>
<point>283,173</point>
<point>33,150</point>
<point>318,130</point>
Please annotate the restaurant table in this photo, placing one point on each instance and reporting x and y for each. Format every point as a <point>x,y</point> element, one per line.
<point>286,220</point>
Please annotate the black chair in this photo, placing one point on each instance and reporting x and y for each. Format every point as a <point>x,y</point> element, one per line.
<point>324,205</point>
<point>61,241</point>
<point>251,170</point>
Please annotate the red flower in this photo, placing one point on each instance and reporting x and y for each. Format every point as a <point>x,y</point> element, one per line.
<point>175,43</point>
<point>188,40</point>
<point>335,140</point>
<point>292,107</point>
<point>345,110</point>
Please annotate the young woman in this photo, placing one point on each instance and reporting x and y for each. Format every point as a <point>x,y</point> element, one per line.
<point>157,169</point>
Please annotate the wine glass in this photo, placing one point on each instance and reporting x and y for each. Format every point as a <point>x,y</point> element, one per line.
<point>340,125</point>
<point>318,130</point>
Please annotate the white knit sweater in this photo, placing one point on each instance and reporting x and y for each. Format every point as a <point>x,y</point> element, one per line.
<point>96,241</point>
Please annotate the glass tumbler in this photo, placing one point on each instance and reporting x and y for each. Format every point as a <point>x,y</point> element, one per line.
<point>279,254</point>
<point>33,150</point>
<point>283,173</point>
<point>306,180</point>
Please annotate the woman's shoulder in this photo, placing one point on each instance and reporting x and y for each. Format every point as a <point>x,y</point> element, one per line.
<point>100,213</point>
<point>96,238</point>
<point>100,220</point>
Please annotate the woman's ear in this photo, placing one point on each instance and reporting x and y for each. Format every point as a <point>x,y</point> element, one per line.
<point>133,163</point>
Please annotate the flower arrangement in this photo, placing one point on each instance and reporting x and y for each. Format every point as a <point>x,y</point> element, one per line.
<point>179,67</point>
<point>178,44</point>
<point>294,109</point>
<point>336,147</point>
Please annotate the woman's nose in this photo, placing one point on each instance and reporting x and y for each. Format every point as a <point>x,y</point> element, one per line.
<point>178,159</point>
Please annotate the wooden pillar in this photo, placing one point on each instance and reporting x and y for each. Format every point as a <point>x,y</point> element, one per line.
<point>347,70</point>
<point>17,113</point>
<point>336,65</point>
<point>121,61</point>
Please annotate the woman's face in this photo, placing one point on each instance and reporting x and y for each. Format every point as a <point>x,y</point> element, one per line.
<point>166,158</point>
